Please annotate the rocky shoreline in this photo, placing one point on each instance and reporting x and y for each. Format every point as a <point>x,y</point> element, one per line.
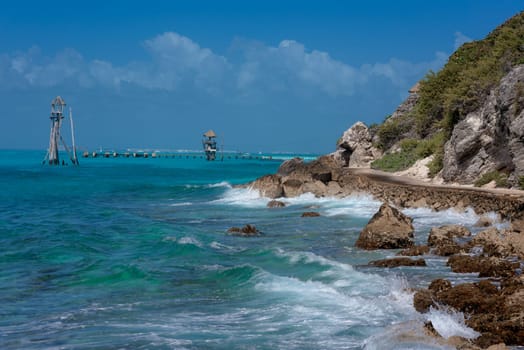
<point>325,177</point>
<point>493,306</point>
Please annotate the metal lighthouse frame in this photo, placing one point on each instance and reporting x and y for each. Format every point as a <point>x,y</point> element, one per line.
<point>57,115</point>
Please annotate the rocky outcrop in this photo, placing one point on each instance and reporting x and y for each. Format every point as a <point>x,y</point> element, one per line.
<point>490,138</point>
<point>499,243</point>
<point>396,262</point>
<point>269,186</point>
<point>355,148</point>
<point>414,251</point>
<point>323,177</point>
<point>245,231</point>
<point>497,313</point>
<point>442,239</point>
<point>486,267</point>
<point>275,204</point>
<point>387,229</point>
<point>310,214</point>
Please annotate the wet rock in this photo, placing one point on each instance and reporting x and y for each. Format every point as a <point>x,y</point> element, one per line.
<point>414,251</point>
<point>446,232</point>
<point>290,166</point>
<point>387,229</point>
<point>491,242</point>
<point>292,188</point>
<point>447,248</point>
<point>439,285</point>
<point>275,204</point>
<point>422,300</point>
<point>396,262</point>
<point>470,299</point>
<point>269,186</point>
<point>425,298</point>
<point>486,267</point>
<point>517,225</point>
<point>246,231</point>
<point>441,239</point>
<point>317,187</point>
<point>310,214</point>
<point>484,221</point>
<point>505,243</point>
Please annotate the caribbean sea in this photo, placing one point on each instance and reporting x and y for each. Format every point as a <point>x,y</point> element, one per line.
<point>125,253</point>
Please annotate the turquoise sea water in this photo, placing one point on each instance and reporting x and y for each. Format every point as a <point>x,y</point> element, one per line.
<point>134,254</point>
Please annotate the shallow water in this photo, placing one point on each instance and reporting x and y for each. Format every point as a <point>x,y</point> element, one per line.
<point>133,253</point>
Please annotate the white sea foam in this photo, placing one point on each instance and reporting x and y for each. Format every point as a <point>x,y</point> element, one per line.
<point>356,206</point>
<point>245,197</point>
<point>426,217</point>
<point>181,204</point>
<point>449,323</point>
<point>308,258</point>
<point>219,184</point>
<point>223,247</point>
<point>363,206</point>
<point>408,335</point>
<point>362,304</point>
<point>189,240</point>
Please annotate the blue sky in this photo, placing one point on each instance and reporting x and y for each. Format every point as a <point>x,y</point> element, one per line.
<point>265,75</point>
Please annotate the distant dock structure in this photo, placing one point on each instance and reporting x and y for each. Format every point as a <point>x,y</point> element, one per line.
<point>209,142</point>
<point>57,115</point>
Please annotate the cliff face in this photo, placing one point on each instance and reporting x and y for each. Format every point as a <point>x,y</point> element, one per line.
<point>490,138</point>
<point>469,115</point>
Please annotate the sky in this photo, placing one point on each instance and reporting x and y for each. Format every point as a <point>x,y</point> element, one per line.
<point>266,76</point>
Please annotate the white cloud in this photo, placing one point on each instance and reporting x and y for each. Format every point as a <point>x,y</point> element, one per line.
<point>460,39</point>
<point>402,73</point>
<point>177,62</point>
<point>291,66</point>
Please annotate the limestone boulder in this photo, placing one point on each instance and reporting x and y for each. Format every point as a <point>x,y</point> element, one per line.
<point>292,188</point>
<point>355,147</point>
<point>387,229</point>
<point>290,166</point>
<point>269,186</point>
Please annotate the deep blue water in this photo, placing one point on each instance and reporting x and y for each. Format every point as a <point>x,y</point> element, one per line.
<point>134,254</point>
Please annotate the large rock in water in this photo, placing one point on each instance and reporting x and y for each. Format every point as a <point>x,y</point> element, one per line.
<point>490,138</point>
<point>269,186</point>
<point>387,229</point>
<point>355,148</point>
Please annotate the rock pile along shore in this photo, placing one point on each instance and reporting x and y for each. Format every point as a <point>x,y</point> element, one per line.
<point>493,307</point>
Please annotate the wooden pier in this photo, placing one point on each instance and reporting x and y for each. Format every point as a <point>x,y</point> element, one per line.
<point>171,155</point>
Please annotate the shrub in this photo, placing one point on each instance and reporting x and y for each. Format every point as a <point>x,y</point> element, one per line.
<point>521,182</point>
<point>501,179</point>
<point>411,150</point>
<point>388,133</point>
<point>394,161</point>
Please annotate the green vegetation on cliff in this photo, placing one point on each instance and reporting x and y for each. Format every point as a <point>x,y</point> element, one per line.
<point>447,96</point>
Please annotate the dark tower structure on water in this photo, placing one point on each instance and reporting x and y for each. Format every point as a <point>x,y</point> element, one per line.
<point>57,115</point>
